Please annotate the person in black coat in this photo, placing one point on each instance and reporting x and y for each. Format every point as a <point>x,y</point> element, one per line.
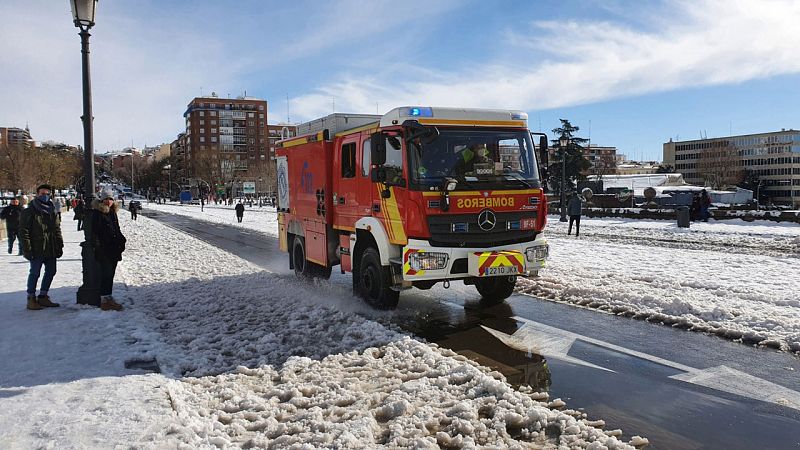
<point>80,213</point>
<point>11,215</point>
<point>239,211</point>
<point>109,243</point>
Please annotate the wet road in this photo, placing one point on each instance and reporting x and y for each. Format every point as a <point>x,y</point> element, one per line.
<point>681,390</point>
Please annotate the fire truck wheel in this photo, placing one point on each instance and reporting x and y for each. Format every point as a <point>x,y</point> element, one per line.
<point>304,268</point>
<point>374,283</point>
<point>495,290</point>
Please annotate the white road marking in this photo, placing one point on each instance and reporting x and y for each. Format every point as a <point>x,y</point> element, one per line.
<point>555,343</point>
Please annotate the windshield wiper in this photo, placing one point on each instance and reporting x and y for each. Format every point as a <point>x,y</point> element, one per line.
<point>521,180</point>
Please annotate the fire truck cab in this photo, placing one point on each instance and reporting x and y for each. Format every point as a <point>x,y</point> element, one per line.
<point>417,196</point>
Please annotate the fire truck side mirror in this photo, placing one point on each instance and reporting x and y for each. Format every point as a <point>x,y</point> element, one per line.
<point>378,174</point>
<point>544,155</point>
<point>377,149</point>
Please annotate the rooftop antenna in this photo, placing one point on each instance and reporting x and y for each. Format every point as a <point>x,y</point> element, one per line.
<point>288,120</point>
<point>201,94</point>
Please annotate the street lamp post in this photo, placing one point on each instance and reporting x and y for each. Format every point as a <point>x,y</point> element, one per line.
<point>563,142</point>
<point>83,14</point>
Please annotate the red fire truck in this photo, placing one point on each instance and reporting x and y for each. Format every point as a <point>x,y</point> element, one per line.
<point>417,196</point>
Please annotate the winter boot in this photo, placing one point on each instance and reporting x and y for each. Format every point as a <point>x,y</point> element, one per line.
<point>44,300</point>
<point>107,303</point>
<point>33,304</point>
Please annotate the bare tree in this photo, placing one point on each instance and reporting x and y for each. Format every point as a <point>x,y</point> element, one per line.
<point>721,165</point>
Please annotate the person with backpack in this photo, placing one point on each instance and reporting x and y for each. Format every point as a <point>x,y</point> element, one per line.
<point>42,245</point>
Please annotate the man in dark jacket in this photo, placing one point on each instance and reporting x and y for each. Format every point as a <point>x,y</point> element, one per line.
<point>80,213</point>
<point>574,209</point>
<point>109,243</point>
<point>239,211</point>
<point>42,244</point>
<point>11,214</point>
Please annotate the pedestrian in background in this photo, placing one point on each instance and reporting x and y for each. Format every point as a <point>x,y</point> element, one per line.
<point>109,243</point>
<point>42,244</point>
<point>574,210</point>
<point>705,202</point>
<point>80,212</point>
<point>58,204</point>
<point>11,215</point>
<point>239,211</point>
<point>133,207</point>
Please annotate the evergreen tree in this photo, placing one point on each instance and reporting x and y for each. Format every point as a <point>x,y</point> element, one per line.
<point>575,164</point>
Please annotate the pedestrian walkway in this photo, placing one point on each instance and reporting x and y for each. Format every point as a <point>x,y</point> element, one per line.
<point>78,339</point>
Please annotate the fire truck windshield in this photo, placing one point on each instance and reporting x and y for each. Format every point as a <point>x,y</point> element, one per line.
<point>477,159</point>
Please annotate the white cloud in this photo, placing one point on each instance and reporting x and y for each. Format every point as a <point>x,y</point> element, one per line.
<point>693,44</point>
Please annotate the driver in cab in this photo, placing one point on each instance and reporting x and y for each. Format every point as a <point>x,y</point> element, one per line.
<point>469,157</point>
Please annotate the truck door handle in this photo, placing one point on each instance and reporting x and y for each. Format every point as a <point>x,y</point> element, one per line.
<point>341,200</point>
<point>376,208</point>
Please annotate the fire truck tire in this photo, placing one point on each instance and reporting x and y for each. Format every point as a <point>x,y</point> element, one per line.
<point>495,290</point>
<point>374,282</point>
<point>304,268</point>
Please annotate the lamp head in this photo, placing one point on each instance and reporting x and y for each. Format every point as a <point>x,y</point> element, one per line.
<point>83,13</point>
<point>563,142</point>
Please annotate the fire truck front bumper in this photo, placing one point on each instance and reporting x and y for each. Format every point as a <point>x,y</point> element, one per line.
<point>424,262</point>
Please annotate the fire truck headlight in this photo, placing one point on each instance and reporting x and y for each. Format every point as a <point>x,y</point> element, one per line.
<point>428,261</point>
<point>537,253</point>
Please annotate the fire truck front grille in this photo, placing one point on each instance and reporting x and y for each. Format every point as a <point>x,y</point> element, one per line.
<point>462,230</point>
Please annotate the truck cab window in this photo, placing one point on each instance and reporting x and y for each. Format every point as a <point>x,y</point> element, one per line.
<point>394,159</point>
<point>366,165</point>
<point>349,160</point>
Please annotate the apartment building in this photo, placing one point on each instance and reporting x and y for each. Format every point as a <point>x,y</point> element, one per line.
<point>774,157</point>
<point>15,136</point>
<point>603,160</point>
<point>226,141</point>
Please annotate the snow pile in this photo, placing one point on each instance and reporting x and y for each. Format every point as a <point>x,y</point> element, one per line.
<point>739,281</point>
<point>406,394</point>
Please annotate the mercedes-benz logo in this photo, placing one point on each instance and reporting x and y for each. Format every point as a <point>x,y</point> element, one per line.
<point>487,220</point>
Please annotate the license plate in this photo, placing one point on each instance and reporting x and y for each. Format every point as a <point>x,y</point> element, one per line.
<point>496,264</point>
<point>501,270</point>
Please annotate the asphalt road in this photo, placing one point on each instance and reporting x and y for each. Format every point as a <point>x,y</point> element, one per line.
<point>680,389</point>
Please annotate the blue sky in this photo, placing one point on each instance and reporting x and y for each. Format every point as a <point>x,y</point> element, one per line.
<point>633,73</point>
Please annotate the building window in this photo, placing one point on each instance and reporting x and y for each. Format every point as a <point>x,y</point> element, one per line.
<point>202,139</point>
<point>213,131</point>
<point>201,113</point>
<point>212,113</point>
<point>260,107</point>
<point>251,123</point>
<point>213,139</point>
<point>261,116</point>
<point>202,122</point>
<point>251,115</point>
<point>213,122</point>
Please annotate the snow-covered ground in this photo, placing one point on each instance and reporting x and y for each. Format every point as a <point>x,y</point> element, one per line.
<point>248,358</point>
<point>734,278</point>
